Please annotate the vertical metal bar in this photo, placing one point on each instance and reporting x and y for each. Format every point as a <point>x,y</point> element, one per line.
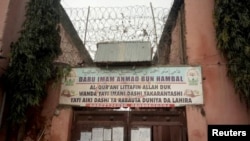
<point>160,135</point>
<point>2,108</point>
<point>86,26</point>
<point>128,126</point>
<point>157,51</point>
<point>155,133</point>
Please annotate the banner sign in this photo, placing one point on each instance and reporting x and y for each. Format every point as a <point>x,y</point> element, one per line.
<point>132,87</point>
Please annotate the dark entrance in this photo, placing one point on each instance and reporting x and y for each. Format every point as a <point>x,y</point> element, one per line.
<point>135,125</point>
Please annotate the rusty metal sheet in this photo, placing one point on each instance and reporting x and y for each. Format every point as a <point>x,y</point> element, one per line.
<point>133,51</point>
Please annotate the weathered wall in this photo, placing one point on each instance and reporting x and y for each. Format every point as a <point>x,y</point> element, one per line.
<point>70,54</point>
<point>61,129</point>
<point>176,48</point>
<point>12,13</point>
<point>168,45</point>
<point>12,17</point>
<point>3,14</point>
<point>74,51</point>
<point>221,104</point>
<point>58,118</point>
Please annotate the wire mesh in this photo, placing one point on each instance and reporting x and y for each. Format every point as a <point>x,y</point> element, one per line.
<point>107,24</point>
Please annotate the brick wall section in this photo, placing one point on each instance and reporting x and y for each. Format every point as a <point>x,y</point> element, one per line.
<point>175,48</point>
<point>168,45</point>
<point>74,51</point>
<point>70,54</point>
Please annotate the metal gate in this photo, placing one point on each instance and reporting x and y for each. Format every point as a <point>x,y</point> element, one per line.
<point>143,125</point>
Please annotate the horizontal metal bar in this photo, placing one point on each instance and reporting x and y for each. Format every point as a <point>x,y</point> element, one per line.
<point>147,123</point>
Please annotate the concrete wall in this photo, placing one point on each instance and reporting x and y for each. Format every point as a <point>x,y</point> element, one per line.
<point>12,13</point>
<point>59,118</point>
<point>4,4</point>
<point>221,104</point>
<point>11,19</point>
<point>61,125</point>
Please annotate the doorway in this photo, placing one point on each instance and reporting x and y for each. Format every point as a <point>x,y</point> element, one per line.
<point>142,125</point>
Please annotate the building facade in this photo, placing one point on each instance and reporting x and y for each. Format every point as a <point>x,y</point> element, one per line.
<point>188,39</point>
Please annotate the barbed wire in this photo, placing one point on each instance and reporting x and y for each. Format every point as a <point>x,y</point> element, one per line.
<point>107,24</point>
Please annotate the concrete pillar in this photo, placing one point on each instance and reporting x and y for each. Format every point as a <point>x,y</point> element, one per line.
<point>221,104</point>
<point>61,125</point>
